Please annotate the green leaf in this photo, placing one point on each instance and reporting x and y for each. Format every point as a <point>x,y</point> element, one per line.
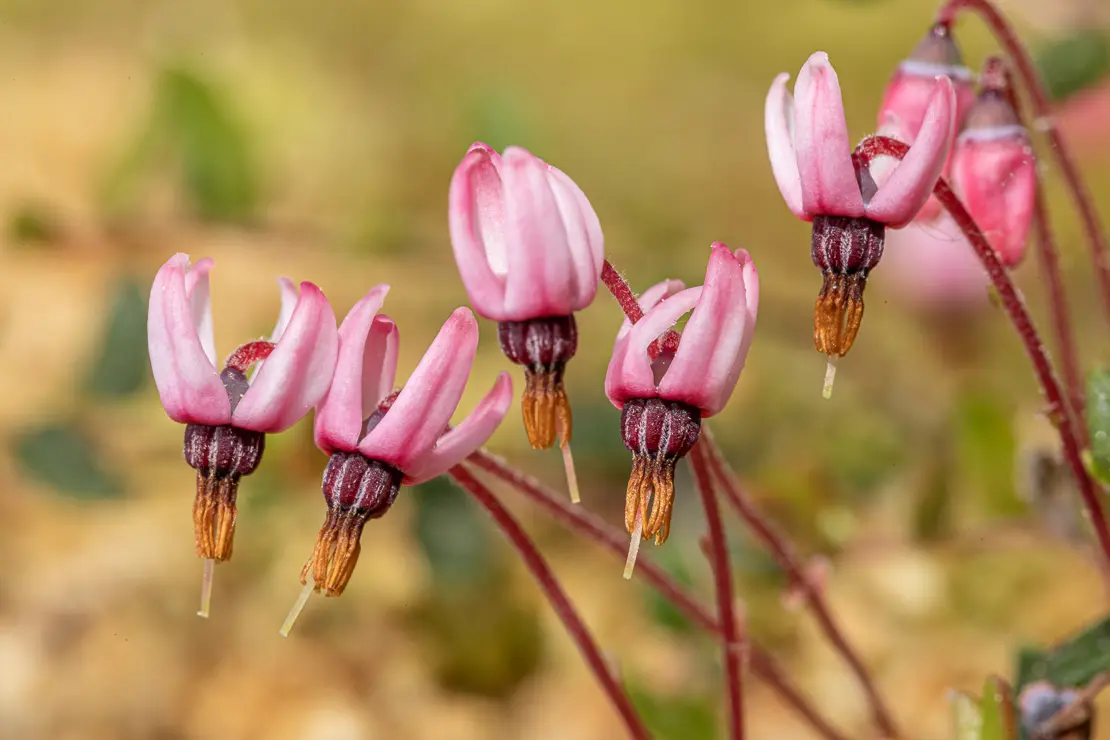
<point>966,716</point>
<point>122,367</point>
<point>1074,662</point>
<point>64,458</point>
<point>1098,423</point>
<point>676,718</point>
<point>452,534</point>
<point>1074,62</point>
<point>996,708</point>
<point>1031,666</point>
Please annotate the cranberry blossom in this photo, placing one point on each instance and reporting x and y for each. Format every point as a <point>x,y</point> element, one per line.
<point>529,249</point>
<point>665,383</point>
<point>227,415</point>
<point>822,182</point>
<point>378,439</point>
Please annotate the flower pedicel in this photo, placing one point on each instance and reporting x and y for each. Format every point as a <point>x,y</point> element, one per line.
<point>529,249</point>
<point>228,415</point>
<point>378,439</point>
<point>665,383</point>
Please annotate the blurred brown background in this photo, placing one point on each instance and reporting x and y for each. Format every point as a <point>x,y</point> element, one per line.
<point>317,141</point>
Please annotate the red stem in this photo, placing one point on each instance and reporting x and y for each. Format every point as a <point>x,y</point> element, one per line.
<point>997,73</point>
<point>1042,109</point>
<point>577,629</point>
<point>1058,410</point>
<point>732,644</point>
<point>618,286</point>
<point>791,563</point>
<point>616,542</point>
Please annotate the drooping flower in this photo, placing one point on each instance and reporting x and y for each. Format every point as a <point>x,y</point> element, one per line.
<point>228,415</point>
<point>665,383</point>
<point>994,169</point>
<point>529,249</point>
<point>378,439</point>
<point>911,89</point>
<point>931,267</point>
<point>821,181</point>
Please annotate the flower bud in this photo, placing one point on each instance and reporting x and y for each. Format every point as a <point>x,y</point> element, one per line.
<point>994,171</point>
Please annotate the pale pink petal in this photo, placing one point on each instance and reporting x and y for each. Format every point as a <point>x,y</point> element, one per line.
<point>200,305</point>
<point>379,364</point>
<point>454,446</point>
<point>188,382</point>
<point>629,374</point>
<point>705,368</point>
<point>340,414</point>
<point>476,216</point>
<point>424,407</point>
<point>908,188</point>
<point>584,237</point>
<point>541,280</point>
<point>829,185</point>
<point>751,297</point>
<point>288,303</point>
<point>649,299</point>
<point>778,121</point>
<point>297,374</point>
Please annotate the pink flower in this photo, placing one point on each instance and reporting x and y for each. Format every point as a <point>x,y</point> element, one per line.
<point>932,267</point>
<point>530,250</point>
<point>811,156</point>
<point>713,346</point>
<point>664,390</point>
<point>378,439</point>
<point>294,376</point>
<point>410,436</point>
<point>994,171</point>
<point>527,242</point>
<point>227,415</point>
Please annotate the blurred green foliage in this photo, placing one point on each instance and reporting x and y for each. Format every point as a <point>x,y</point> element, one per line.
<point>1072,663</point>
<point>996,709</point>
<point>676,717</point>
<point>984,440</point>
<point>121,366</point>
<point>34,224</point>
<point>453,537</point>
<point>192,125</point>
<point>1074,62</point>
<point>62,456</point>
<point>1098,423</point>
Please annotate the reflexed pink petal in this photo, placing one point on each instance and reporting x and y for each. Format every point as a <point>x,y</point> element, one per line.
<point>454,446</point>
<point>707,365</point>
<point>828,178</point>
<point>288,303</point>
<point>297,374</point>
<point>629,374</point>
<point>996,178</point>
<point>476,215</point>
<point>584,237</point>
<point>778,122</point>
<point>541,279</point>
<point>751,298</point>
<point>341,412</point>
<point>650,298</point>
<point>912,182</point>
<point>187,380</point>
<point>424,407</point>
<point>200,305</point>
<point>379,366</point>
